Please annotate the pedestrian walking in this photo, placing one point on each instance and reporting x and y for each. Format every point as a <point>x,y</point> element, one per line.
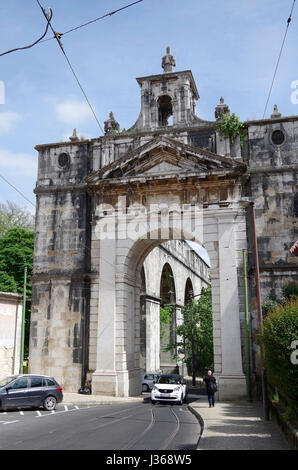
<point>211,387</point>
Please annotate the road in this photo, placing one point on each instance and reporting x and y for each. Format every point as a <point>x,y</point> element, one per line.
<point>129,426</point>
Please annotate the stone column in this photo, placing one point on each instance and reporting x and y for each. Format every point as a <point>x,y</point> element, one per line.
<point>152,334</point>
<point>104,379</point>
<point>231,379</point>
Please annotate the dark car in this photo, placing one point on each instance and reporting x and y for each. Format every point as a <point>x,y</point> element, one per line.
<point>29,390</point>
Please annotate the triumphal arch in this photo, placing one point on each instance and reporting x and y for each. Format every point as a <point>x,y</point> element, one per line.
<point>103,205</point>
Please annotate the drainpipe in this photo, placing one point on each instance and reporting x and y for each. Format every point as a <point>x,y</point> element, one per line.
<point>247,331</point>
<point>260,315</point>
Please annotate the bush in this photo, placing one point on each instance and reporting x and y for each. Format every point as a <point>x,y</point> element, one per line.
<point>280,330</point>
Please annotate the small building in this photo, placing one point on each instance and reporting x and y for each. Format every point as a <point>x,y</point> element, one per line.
<point>10,332</point>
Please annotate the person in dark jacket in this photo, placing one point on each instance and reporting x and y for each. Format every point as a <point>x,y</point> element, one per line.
<point>211,387</point>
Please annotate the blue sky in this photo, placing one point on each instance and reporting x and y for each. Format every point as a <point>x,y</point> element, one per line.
<point>231,46</point>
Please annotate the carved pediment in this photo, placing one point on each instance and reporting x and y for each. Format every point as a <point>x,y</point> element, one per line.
<point>164,157</point>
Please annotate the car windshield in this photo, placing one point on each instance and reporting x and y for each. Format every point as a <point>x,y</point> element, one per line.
<point>169,379</point>
<point>6,380</point>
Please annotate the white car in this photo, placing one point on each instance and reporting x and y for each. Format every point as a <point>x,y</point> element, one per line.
<point>169,387</point>
<point>148,380</point>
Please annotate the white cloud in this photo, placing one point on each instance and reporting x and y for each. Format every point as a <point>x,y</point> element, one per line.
<point>22,164</point>
<point>8,121</point>
<point>73,112</point>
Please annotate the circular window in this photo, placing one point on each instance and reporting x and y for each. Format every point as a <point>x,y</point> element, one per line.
<point>63,160</point>
<point>278,137</point>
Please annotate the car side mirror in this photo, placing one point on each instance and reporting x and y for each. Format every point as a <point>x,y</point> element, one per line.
<point>8,388</point>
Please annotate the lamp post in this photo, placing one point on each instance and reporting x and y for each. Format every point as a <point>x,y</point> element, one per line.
<point>23,323</point>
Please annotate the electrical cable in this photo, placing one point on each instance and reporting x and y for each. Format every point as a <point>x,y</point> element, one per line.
<point>28,200</point>
<point>93,21</point>
<point>34,43</point>
<point>57,36</point>
<point>277,64</point>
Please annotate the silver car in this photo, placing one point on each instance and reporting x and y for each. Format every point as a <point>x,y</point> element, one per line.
<point>148,380</point>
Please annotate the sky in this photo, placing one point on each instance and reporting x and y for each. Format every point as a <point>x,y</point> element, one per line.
<point>231,46</point>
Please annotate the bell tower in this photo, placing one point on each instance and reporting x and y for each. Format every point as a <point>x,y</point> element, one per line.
<point>167,95</point>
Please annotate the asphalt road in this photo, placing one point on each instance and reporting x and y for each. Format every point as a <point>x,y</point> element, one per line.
<point>129,426</point>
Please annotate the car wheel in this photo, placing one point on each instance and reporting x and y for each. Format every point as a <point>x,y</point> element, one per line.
<point>50,403</point>
<point>145,388</point>
<point>153,402</point>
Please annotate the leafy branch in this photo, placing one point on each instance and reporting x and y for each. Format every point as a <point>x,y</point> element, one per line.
<point>232,127</point>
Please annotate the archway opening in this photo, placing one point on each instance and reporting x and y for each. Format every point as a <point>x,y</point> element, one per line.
<point>188,291</point>
<point>167,319</point>
<point>165,110</point>
<point>174,273</point>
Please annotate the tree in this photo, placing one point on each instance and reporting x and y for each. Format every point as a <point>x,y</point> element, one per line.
<point>16,252</point>
<point>202,331</point>
<point>11,215</point>
<point>165,320</point>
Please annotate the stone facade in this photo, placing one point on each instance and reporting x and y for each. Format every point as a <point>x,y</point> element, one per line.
<point>87,310</point>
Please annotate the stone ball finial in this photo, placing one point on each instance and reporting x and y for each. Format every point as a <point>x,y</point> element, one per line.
<point>168,61</point>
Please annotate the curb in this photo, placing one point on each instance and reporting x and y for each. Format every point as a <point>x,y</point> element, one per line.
<point>201,421</point>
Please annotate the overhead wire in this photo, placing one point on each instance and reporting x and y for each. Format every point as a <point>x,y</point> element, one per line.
<point>28,200</point>
<point>57,36</point>
<point>280,53</point>
<point>35,42</point>
<point>96,19</point>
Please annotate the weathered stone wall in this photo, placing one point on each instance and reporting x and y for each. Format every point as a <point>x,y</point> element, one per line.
<point>10,333</point>
<point>61,290</point>
<point>273,187</point>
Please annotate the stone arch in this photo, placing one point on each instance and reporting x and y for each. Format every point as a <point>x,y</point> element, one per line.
<point>167,291</point>
<point>165,109</point>
<point>118,349</point>
<point>168,299</point>
<point>187,291</point>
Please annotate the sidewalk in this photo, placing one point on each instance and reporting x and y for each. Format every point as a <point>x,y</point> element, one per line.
<point>237,426</point>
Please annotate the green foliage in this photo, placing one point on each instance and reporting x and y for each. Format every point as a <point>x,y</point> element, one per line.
<point>16,252</point>
<point>279,331</point>
<point>7,283</point>
<point>231,127</point>
<point>290,291</point>
<point>202,332</point>
<point>269,305</point>
<point>165,319</point>
<point>271,302</point>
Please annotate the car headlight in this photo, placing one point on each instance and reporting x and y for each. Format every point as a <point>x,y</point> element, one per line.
<point>154,389</point>
<point>176,389</point>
